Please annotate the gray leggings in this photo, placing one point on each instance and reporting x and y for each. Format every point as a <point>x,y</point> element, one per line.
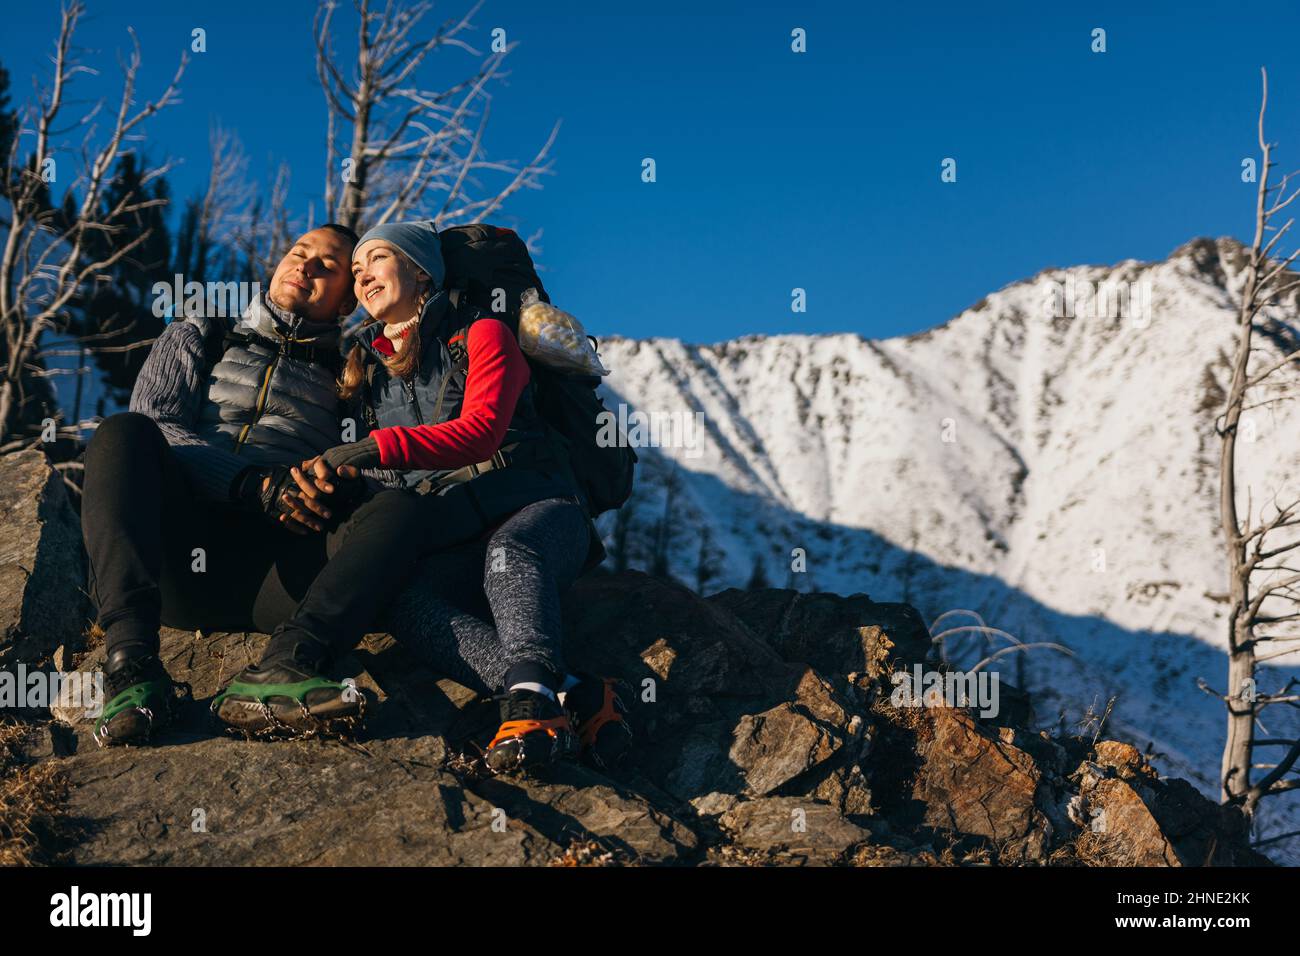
<point>512,576</point>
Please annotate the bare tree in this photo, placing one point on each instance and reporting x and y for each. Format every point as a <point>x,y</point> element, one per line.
<point>54,251</point>
<point>393,146</point>
<point>214,219</point>
<point>1263,599</point>
<point>261,225</point>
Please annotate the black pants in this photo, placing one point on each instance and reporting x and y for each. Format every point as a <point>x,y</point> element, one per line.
<point>159,556</point>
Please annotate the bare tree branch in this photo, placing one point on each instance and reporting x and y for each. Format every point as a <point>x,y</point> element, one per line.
<point>47,259</point>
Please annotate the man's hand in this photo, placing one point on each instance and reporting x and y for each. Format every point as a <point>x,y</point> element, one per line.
<point>318,487</point>
<point>264,492</point>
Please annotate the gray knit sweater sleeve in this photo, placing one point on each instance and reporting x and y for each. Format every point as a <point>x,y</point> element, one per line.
<point>171,389</point>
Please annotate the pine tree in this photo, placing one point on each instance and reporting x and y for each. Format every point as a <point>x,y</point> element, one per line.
<point>704,571</point>
<point>8,122</point>
<point>622,525</point>
<point>664,528</point>
<point>119,308</point>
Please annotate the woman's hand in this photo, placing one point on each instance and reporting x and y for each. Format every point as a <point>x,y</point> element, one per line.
<point>358,454</point>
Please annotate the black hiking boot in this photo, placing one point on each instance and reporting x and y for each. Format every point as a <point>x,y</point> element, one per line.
<point>288,696</point>
<point>600,720</point>
<point>535,731</point>
<point>141,700</point>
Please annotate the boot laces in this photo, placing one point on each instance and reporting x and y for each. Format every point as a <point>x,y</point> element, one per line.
<point>132,672</point>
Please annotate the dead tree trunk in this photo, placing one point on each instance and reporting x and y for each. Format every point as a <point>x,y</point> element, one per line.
<point>394,149</point>
<point>1262,591</point>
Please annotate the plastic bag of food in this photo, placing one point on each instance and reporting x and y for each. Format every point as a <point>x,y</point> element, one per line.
<point>555,338</point>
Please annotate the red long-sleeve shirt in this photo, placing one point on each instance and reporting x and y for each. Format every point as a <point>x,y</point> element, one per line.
<point>496,377</point>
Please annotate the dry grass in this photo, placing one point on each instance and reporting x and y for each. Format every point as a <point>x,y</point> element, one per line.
<point>729,854</point>
<point>588,853</point>
<point>31,800</point>
<point>918,720</point>
<point>1093,849</point>
<point>94,637</point>
<point>12,736</point>
<point>878,855</point>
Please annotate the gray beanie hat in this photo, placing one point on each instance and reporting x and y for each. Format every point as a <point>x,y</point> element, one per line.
<point>419,240</point>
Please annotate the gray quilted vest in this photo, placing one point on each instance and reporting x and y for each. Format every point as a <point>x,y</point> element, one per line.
<point>269,399</point>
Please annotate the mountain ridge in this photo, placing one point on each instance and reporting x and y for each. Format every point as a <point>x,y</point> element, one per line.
<point>1077,484</point>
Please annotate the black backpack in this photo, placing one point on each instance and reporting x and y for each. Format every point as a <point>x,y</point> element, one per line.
<point>488,264</point>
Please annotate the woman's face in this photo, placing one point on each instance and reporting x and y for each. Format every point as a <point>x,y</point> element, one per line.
<point>387,284</point>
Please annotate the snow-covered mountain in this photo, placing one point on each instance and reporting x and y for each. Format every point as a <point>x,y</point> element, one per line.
<point>1047,459</point>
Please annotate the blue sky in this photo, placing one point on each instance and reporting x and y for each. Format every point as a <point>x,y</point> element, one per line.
<point>779,170</point>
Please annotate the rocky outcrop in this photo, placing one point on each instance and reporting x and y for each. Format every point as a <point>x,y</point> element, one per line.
<point>42,566</point>
<point>765,734</point>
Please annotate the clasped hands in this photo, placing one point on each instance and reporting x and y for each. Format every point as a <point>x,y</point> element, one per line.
<point>306,496</point>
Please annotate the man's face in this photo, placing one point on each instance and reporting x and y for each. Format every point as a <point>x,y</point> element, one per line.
<point>313,280</point>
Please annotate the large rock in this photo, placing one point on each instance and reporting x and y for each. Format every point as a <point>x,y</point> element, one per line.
<point>1133,818</point>
<point>976,782</point>
<point>793,830</point>
<point>719,712</point>
<point>837,635</point>
<point>389,798</point>
<point>42,563</point>
<point>764,734</point>
<point>776,746</point>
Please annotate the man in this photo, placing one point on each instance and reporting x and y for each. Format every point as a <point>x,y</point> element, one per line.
<point>196,511</point>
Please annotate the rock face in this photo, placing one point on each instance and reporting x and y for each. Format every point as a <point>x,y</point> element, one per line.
<point>42,564</point>
<point>764,734</point>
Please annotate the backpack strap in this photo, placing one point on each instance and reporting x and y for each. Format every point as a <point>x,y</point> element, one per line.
<point>458,348</point>
<point>525,452</point>
<point>368,397</point>
<point>216,340</point>
<point>520,452</point>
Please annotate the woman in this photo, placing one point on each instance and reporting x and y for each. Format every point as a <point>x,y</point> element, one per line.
<point>494,480</point>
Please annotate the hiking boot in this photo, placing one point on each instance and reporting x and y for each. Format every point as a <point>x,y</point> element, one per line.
<point>141,696</point>
<point>535,731</point>
<point>288,697</point>
<point>600,720</point>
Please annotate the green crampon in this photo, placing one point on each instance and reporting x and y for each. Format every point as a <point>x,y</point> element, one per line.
<point>254,715</point>
<point>150,699</point>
